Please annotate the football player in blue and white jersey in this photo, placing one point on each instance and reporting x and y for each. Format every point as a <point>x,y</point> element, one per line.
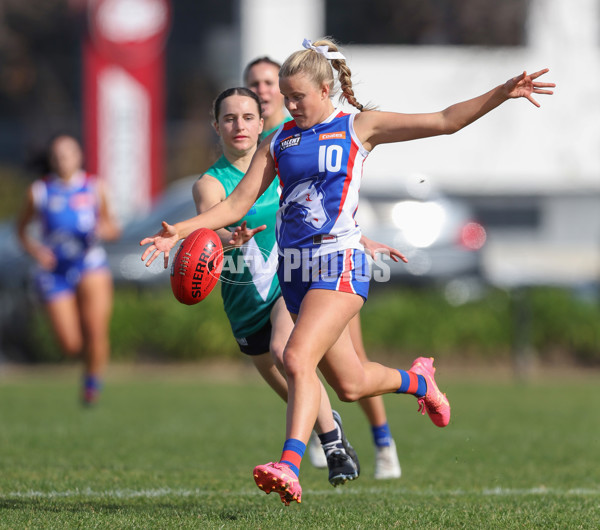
<point>262,77</point>
<point>72,275</point>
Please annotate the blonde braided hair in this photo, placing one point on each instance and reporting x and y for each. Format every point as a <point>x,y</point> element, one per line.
<point>319,69</point>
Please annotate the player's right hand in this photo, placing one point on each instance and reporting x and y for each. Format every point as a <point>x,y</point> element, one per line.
<point>44,257</point>
<point>163,241</point>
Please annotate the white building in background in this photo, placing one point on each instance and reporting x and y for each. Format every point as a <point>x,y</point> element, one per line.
<point>516,149</point>
<point>277,28</point>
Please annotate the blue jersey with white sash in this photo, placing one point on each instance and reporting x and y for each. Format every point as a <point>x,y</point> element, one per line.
<point>320,171</point>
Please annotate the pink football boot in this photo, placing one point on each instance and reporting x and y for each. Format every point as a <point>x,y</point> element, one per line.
<point>434,402</point>
<point>278,477</point>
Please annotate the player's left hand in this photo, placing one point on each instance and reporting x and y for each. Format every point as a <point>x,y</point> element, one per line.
<point>372,248</point>
<point>242,234</point>
<point>524,85</point>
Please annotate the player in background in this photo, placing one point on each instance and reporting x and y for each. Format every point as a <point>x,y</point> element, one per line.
<point>250,290</point>
<point>72,275</point>
<point>319,156</point>
<point>262,77</point>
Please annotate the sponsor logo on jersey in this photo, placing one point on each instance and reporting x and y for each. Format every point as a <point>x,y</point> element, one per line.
<point>290,141</point>
<point>79,201</point>
<point>339,135</point>
<point>321,239</point>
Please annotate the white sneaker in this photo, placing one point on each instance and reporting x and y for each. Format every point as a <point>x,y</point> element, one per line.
<point>315,452</point>
<point>387,464</point>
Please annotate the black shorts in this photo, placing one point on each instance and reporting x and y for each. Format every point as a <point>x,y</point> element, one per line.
<point>257,343</point>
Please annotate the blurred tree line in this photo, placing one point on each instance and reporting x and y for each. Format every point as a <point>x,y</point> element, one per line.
<point>40,66</point>
<point>561,328</point>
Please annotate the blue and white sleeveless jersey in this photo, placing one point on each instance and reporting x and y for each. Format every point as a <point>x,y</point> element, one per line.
<point>320,171</point>
<point>69,213</point>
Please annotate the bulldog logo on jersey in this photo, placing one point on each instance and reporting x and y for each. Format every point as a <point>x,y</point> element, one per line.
<point>307,197</point>
<point>290,141</point>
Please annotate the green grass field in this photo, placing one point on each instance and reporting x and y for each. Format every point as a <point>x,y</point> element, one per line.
<point>174,447</point>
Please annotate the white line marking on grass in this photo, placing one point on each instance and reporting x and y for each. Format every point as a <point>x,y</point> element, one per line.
<point>115,494</point>
<point>169,492</point>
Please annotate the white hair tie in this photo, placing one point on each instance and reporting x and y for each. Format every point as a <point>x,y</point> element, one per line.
<point>323,50</point>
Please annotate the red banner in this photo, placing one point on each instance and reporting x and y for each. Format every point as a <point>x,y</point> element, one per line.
<point>124,99</point>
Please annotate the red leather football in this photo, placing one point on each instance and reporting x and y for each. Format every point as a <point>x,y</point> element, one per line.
<point>197,266</point>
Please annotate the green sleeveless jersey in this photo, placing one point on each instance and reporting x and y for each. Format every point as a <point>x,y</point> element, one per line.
<point>249,284</point>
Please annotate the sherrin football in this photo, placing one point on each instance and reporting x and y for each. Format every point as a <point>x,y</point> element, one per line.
<point>197,266</point>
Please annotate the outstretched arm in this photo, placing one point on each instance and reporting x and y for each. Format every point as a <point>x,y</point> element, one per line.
<point>374,128</point>
<point>227,212</point>
<point>207,192</point>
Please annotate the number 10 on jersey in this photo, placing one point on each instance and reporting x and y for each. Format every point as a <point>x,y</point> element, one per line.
<point>330,157</point>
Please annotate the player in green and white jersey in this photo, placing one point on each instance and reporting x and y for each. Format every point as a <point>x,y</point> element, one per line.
<point>248,286</point>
